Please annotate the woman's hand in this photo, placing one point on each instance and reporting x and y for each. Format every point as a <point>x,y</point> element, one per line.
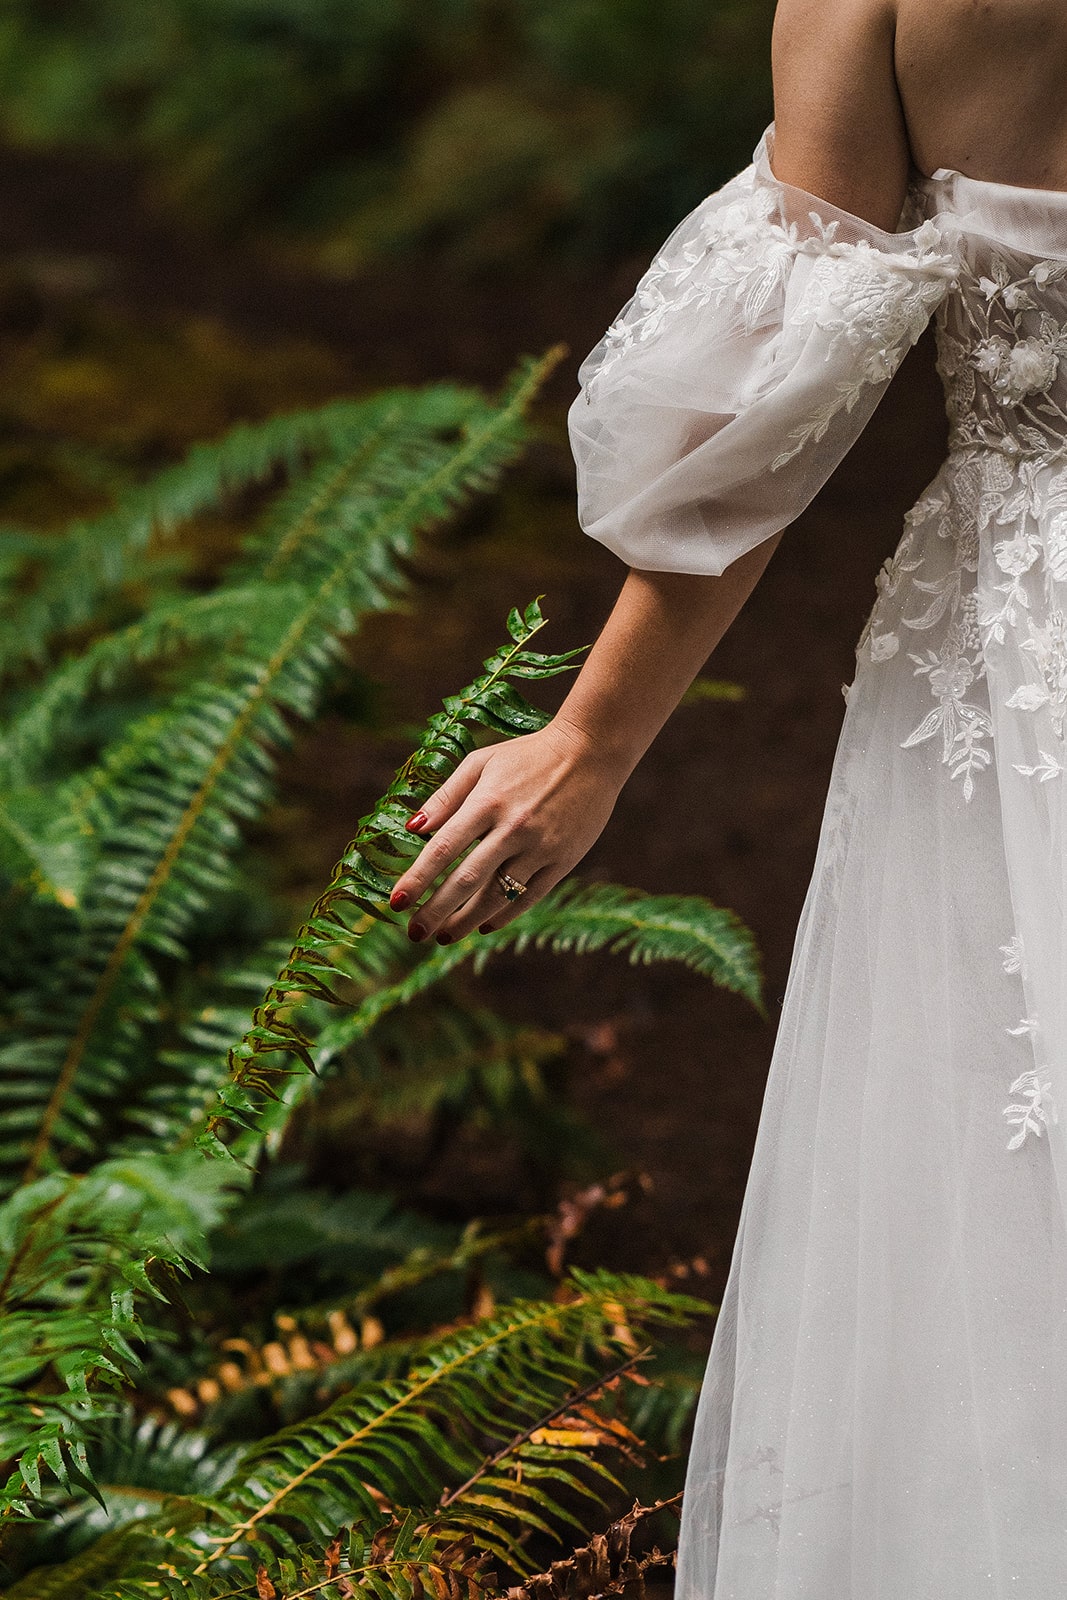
<point>534,804</point>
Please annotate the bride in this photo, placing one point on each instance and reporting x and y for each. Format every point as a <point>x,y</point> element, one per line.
<point>884,1414</point>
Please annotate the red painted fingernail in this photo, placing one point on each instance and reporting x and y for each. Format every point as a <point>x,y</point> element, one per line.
<point>416,932</point>
<point>416,823</point>
<point>444,938</point>
<point>486,927</point>
<point>398,899</point>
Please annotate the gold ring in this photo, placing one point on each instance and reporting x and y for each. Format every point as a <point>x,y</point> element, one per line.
<point>511,886</point>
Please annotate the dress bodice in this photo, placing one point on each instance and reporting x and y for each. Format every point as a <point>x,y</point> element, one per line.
<point>1002,329</point>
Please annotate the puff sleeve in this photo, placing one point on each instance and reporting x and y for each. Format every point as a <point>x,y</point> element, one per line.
<point>750,357</point>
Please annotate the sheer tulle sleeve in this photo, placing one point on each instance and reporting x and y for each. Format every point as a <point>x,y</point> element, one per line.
<point>749,359</point>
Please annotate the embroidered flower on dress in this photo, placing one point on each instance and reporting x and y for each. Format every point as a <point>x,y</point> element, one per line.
<point>1015,371</point>
<point>1016,298</point>
<point>1045,272</point>
<point>962,724</point>
<point>1032,368</point>
<point>1018,555</point>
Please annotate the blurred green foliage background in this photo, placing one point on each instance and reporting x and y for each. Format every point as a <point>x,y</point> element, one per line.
<point>483,130</point>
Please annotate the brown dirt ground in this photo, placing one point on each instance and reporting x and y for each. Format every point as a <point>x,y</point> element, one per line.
<point>727,803</point>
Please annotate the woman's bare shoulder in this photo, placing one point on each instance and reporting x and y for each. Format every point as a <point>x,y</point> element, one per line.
<point>981,82</point>
<point>865,90</point>
<point>840,130</point>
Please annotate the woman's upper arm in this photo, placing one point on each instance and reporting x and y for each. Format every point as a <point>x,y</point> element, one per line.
<point>839,127</point>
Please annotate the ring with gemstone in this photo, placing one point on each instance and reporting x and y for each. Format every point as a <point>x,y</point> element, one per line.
<point>511,886</point>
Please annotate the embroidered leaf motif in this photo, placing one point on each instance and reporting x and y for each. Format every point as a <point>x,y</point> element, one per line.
<point>1032,1114</point>
<point>1049,767</point>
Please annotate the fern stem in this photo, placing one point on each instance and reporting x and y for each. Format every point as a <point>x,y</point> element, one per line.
<point>245,1068</point>
<point>591,1389</point>
<point>267,1012</point>
<point>348,469</point>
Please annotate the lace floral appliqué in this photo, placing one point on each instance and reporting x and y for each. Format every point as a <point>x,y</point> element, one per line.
<point>1003,361</point>
<point>737,250</point>
<point>876,302</point>
<point>928,587</point>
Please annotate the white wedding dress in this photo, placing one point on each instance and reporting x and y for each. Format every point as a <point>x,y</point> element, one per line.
<point>884,1415</point>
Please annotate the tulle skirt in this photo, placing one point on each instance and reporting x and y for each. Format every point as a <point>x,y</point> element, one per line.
<point>884,1415</point>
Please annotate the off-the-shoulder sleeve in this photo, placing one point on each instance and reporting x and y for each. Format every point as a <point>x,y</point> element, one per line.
<point>750,357</point>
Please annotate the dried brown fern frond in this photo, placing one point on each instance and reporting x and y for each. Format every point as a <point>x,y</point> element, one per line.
<point>605,1566</point>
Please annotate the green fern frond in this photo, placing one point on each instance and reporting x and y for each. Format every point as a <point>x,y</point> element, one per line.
<point>646,928</point>
<point>175,1096</point>
<point>400,1558</point>
<point>170,627</point>
<point>287,1226</point>
<point>177,791</point>
<point>451,1053</point>
<point>329,1346</point>
<point>470,1445</point>
<point>473,1435</point>
<point>365,874</point>
<point>75,1256</point>
<point>106,1569</point>
<point>42,848</point>
<point>662,1412</point>
<point>138,1462</point>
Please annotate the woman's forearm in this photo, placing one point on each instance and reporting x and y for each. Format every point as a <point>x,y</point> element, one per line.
<point>534,805</point>
<point>661,631</point>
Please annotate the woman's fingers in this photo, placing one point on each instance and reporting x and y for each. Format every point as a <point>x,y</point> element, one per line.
<point>456,835</point>
<point>455,820</point>
<point>446,800</point>
<point>465,880</point>
<point>488,902</point>
<point>497,911</point>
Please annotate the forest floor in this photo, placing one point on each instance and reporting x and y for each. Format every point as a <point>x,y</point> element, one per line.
<point>728,801</point>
